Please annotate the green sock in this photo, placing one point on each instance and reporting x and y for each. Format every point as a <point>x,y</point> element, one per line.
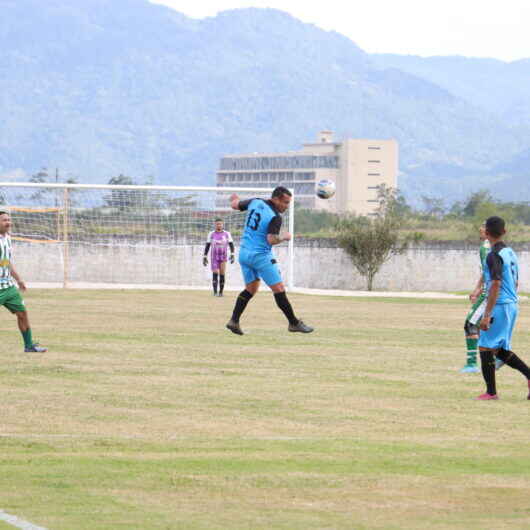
<point>28,339</point>
<point>472,346</point>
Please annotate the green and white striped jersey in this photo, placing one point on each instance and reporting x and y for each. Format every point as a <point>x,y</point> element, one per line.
<point>6,280</point>
<point>485,249</point>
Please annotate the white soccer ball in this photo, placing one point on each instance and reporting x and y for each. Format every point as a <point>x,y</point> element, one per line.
<point>325,189</point>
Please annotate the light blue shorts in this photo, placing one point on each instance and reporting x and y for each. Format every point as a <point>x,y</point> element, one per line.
<point>500,333</point>
<point>259,265</point>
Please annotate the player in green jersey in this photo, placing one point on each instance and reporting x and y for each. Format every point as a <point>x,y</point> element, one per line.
<point>9,293</point>
<point>478,297</point>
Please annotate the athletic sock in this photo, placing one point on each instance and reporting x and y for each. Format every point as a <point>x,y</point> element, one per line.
<point>214,282</point>
<point>242,300</point>
<point>488,371</point>
<point>509,358</point>
<point>221,283</point>
<point>28,339</point>
<point>472,346</point>
<point>284,304</point>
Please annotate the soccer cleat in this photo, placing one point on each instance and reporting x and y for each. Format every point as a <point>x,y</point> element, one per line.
<point>220,295</point>
<point>498,364</point>
<point>486,397</point>
<point>35,348</point>
<point>234,327</point>
<point>301,327</point>
<point>469,369</point>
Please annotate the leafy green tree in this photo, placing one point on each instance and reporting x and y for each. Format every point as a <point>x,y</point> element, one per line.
<point>433,206</point>
<point>474,201</point>
<point>372,241</point>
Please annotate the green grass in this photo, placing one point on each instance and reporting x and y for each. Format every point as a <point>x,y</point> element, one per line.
<point>146,413</point>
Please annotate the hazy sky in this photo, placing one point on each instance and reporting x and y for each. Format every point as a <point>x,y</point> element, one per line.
<point>474,28</point>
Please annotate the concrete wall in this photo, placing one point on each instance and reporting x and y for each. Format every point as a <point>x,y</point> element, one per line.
<point>319,264</point>
<point>429,267</point>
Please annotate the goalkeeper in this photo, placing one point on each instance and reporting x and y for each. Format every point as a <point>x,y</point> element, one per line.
<point>218,240</point>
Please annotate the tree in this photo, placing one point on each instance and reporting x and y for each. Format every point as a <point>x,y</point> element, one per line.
<point>433,206</point>
<point>474,201</point>
<point>371,242</point>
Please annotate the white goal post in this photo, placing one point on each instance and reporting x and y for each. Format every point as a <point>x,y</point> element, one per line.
<point>88,235</point>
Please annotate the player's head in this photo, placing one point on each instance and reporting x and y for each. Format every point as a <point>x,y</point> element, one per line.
<point>281,198</point>
<point>495,227</point>
<point>5,222</point>
<point>218,224</point>
<point>482,231</point>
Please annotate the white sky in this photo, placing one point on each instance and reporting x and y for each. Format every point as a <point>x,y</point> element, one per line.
<point>473,28</point>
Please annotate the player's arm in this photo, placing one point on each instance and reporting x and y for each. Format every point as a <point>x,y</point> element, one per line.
<point>494,263</point>
<point>207,249</point>
<point>17,278</point>
<point>478,289</point>
<point>237,204</point>
<point>232,247</point>
<point>273,234</point>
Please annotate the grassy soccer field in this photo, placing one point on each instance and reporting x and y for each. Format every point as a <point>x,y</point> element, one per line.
<point>148,414</point>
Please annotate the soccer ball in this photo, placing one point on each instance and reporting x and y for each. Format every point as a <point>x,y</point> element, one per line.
<point>325,189</point>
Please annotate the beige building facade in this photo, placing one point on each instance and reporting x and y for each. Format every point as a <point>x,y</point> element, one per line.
<point>357,166</point>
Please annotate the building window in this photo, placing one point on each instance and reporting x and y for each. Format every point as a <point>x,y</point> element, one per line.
<point>279,162</point>
<point>374,161</point>
<point>373,147</point>
<point>373,187</point>
<point>374,174</point>
<point>306,188</point>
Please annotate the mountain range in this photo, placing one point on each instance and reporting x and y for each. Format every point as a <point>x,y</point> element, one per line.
<point>100,88</point>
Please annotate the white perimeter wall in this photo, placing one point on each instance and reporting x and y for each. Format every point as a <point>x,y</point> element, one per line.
<point>429,267</point>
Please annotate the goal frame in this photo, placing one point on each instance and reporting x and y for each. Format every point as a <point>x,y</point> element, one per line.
<point>67,187</point>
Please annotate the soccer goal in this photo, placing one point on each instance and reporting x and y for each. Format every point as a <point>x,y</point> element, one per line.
<point>82,235</point>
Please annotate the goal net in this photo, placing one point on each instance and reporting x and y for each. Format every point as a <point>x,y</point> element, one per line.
<point>139,236</point>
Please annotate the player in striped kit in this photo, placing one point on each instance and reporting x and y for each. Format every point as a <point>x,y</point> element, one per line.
<point>219,240</point>
<point>9,293</point>
<point>478,298</point>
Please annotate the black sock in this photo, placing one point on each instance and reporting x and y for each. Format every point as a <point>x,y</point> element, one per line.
<point>488,371</point>
<point>242,300</point>
<point>214,282</point>
<point>221,283</point>
<point>514,362</point>
<point>285,306</point>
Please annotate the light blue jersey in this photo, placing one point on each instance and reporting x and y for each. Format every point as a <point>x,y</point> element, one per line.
<point>501,264</point>
<point>255,255</point>
<point>262,219</point>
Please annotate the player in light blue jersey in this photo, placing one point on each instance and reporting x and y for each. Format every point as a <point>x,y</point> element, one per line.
<point>501,278</point>
<point>262,231</point>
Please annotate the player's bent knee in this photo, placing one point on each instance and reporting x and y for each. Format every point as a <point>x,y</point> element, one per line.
<point>471,330</point>
<point>277,288</point>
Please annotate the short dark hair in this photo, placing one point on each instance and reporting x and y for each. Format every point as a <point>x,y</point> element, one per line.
<point>495,226</point>
<point>218,220</point>
<point>4,213</point>
<point>280,191</point>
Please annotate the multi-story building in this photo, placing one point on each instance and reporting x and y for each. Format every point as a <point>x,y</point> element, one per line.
<point>357,166</point>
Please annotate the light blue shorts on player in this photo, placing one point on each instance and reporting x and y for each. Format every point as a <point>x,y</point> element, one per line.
<point>499,335</point>
<point>259,265</point>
